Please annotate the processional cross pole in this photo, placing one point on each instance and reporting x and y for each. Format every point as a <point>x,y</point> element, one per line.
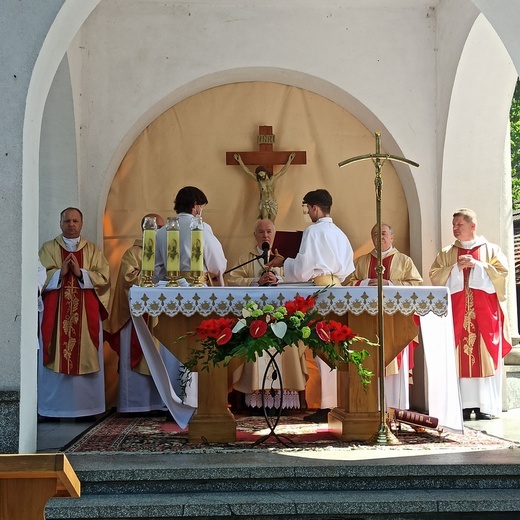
<point>379,159</point>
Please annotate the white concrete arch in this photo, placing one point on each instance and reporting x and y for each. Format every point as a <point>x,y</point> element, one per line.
<point>274,75</point>
<point>69,19</point>
<point>475,154</point>
<point>476,164</point>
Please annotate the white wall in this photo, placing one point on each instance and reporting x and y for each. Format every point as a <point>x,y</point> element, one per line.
<point>58,157</point>
<point>36,46</point>
<point>138,60</point>
<point>391,64</point>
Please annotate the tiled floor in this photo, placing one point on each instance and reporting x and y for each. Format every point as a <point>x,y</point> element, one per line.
<point>53,436</point>
<point>507,426</point>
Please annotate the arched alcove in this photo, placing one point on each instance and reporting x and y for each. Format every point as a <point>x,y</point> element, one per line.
<point>187,143</point>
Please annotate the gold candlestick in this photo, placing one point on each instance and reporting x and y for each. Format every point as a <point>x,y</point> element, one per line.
<point>148,255</point>
<point>172,252</point>
<point>197,278</point>
<point>197,252</point>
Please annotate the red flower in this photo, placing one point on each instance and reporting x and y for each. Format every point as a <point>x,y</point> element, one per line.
<point>340,332</point>
<point>213,328</point>
<point>323,331</point>
<point>291,308</point>
<point>225,336</point>
<point>299,304</point>
<point>257,328</point>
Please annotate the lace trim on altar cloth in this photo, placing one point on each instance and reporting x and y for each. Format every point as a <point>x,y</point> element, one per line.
<point>225,301</point>
<point>291,399</point>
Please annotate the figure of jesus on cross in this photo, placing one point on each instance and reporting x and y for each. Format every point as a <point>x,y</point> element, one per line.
<point>263,175</point>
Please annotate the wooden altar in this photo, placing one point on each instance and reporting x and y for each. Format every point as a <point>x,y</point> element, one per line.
<point>357,415</point>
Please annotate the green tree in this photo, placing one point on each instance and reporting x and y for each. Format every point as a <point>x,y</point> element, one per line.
<point>514,117</point>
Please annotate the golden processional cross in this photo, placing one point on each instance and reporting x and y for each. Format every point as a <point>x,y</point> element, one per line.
<point>379,159</point>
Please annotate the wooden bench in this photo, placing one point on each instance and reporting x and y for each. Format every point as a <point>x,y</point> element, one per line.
<point>28,481</point>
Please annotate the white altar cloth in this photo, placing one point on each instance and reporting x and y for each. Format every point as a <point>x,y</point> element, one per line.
<point>432,304</point>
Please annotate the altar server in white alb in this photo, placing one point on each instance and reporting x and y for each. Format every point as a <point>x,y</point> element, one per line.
<point>188,204</point>
<point>399,269</point>
<point>475,272</point>
<point>326,257</point>
<point>71,379</point>
<point>248,377</point>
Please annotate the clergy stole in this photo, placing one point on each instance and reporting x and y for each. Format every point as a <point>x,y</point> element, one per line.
<point>395,365</point>
<point>69,313</point>
<point>477,320</point>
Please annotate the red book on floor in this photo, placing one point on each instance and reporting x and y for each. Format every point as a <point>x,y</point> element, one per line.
<point>411,417</point>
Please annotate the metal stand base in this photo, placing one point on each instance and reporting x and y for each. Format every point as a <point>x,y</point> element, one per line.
<point>273,420</point>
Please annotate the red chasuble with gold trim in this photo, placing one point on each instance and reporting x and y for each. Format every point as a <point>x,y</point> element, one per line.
<point>478,320</point>
<point>372,273</point>
<point>71,317</point>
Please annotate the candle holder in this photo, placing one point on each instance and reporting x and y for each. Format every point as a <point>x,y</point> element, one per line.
<point>148,254</point>
<point>197,278</point>
<point>197,252</point>
<point>146,279</point>
<point>173,278</point>
<point>173,257</point>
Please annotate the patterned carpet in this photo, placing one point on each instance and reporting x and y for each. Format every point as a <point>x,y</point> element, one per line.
<point>120,433</point>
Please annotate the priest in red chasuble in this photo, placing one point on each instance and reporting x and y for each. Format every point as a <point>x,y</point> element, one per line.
<point>75,297</point>
<point>399,270</point>
<point>475,271</point>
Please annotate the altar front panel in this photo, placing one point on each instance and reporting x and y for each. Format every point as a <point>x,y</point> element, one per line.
<point>359,302</point>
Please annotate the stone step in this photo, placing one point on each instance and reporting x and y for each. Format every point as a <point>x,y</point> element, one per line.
<point>366,505</point>
<point>266,485</point>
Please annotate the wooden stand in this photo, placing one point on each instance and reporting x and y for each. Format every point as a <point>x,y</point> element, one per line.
<point>213,422</point>
<point>357,415</point>
<point>28,481</point>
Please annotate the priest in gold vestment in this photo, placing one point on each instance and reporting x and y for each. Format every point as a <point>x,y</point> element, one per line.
<point>75,296</point>
<point>399,269</point>
<point>475,272</point>
<point>137,391</point>
<point>248,377</point>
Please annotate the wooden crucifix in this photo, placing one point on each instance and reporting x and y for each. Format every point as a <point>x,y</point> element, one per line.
<point>264,175</point>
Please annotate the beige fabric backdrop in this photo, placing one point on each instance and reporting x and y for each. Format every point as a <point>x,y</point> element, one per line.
<point>187,145</point>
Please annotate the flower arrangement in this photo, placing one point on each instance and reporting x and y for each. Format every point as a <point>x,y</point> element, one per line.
<point>261,328</point>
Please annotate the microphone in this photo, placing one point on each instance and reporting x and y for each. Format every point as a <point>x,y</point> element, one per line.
<point>265,252</point>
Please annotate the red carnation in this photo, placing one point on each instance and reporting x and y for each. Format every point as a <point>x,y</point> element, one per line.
<point>306,304</point>
<point>291,308</point>
<point>299,304</point>
<point>338,331</point>
<point>213,328</point>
